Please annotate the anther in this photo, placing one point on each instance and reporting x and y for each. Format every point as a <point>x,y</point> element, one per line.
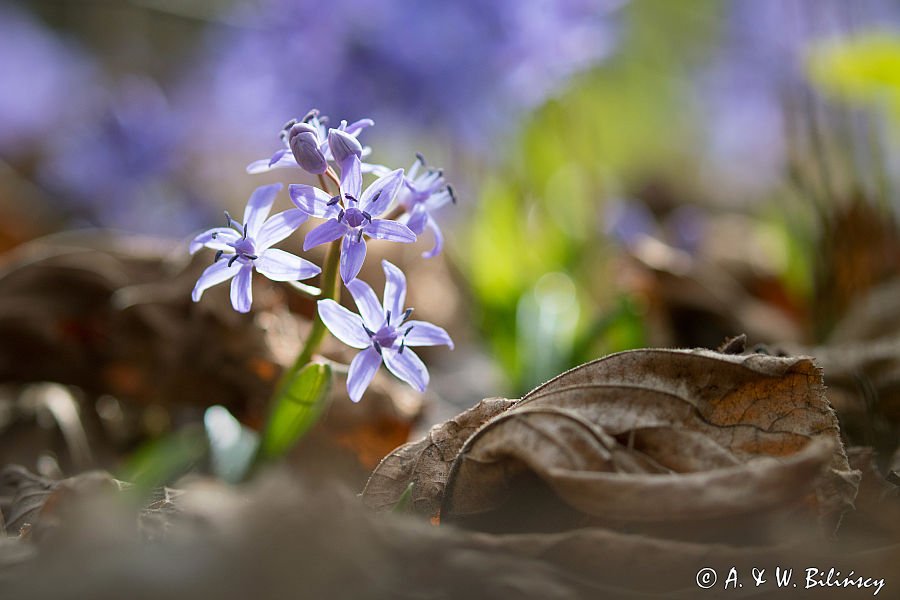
<point>232,259</point>
<point>452,194</point>
<point>245,231</point>
<point>341,215</point>
<point>312,114</point>
<point>406,314</point>
<point>388,317</point>
<point>402,346</point>
<point>408,329</point>
<point>369,332</point>
<point>334,200</point>
<point>367,215</point>
<point>219,255</point>
<point>350,197</point>
<point>377,347</point>
<point>421,158</point>
<point>359,236</point>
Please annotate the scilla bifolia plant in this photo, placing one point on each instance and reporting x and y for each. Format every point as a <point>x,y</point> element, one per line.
<point>396,206</point>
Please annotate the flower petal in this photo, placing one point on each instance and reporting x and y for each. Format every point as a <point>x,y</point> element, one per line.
<point>351,177</point>
<point>279,265</point>
<point>356,127</point>
<point>258,207</point>
<point>216,238</point>
<point>416,219</point>
<point>343,324</point>
<point>264,165</point>
<point>407,366</point>
<point>362,370</point>
<point>328,231</point>
<point>313,201</point>
<point>214,274</point>
<point>353,254</point>
<point>279,227</point>
<point>422,333</point>
<point>394,288</point>
<point>393,231</point>
<point>380,195</point>
<point>438,239</point>
<point>242,290</point>
<point>367,303</point>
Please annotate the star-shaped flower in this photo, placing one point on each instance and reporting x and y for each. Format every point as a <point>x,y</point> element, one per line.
<point>352,214</point>
<point>383,332</point>
<point>421,195</point>
<point>241,248</point>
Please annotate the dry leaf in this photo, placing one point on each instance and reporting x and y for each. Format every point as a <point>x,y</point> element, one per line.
<point>661,437</point>
<point>426,463</point>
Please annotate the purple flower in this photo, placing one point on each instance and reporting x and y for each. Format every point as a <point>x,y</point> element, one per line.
<point>383,332</point>
<point>421,195</point>
<point>351,214</point>
<point>244,247</point>
<point>306,144</point>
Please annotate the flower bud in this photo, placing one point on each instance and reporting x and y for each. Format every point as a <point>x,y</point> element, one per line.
<point>343,146</point>
<point>304,144</point>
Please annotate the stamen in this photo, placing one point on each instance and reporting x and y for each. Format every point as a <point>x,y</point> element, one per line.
<point>232,259</point>
<point>402,346</point>
<point>368,331</point>
<point>334,200</point>
<point>230,222</point>
<point>406,314</point>
<point>351,198</point>
<point>218,255</point>
<point>251,256</point>
<point>377,347</point>
<point>245,231</point>
<point>312,114</point>
<point>452,194</point>
<point>367,216</point>
<point>215,235</point>
<point>421,158</point>
<point>341,215</point>
<point>359,236</point>
<point>410,328</point>
<point>388,317</point>
<point>377,196</point>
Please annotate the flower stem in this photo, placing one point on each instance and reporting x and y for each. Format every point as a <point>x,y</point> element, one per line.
<point>329,285</point>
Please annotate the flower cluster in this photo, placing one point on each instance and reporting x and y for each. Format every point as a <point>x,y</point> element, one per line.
<point>397,206</point>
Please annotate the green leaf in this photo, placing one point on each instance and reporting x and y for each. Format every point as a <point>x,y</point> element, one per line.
<point>296,410</point>
<point>162,461</point>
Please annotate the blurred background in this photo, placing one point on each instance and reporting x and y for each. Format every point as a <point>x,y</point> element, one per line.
<point>630,173</point>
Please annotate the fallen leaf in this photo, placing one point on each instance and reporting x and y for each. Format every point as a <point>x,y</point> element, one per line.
<point>426,463</point>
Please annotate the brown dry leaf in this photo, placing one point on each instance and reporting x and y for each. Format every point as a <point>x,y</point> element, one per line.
<point>655,439</point>
<point>426,463</point>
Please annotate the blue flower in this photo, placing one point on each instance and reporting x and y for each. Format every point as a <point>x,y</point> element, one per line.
<point>383,332</point>
<point>306,144</point>
<point>352,214</point>
<point>421,195</point>
<point>241,248</point>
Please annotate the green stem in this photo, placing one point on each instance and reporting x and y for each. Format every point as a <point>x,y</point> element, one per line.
<point>330,289</point>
